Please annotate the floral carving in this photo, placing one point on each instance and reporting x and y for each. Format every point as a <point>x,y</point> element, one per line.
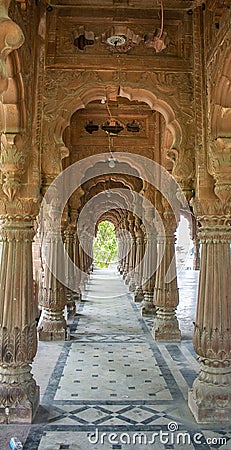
<point>18,346</point>
<point>12,164</point>
<point>220,167</point>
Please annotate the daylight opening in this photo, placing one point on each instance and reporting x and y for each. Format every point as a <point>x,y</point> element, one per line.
<point>105,245</point>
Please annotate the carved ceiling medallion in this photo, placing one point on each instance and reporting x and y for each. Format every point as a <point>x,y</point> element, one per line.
<point>120,39</point>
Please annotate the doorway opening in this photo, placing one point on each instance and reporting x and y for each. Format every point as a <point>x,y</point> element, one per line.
<point>105,246</point>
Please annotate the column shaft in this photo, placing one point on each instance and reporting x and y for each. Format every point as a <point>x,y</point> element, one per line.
<point>138,294</point>
<point>53,324</point>
<point>165,326</point>
<point>69,247</point>
<point>19,394</point>
<point>210,397</point>
<point>147,307</point>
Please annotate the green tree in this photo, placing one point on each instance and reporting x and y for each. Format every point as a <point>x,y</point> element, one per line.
<point>105,245</point>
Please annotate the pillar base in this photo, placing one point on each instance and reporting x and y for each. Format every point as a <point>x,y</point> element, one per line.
<point>127,279</point>
<point>77,296</point>
<point>210,396</point>
<point>52,327</point>
<point>57,335</point>
<point>210,415</point>
<point>165,325</point>
<point>147,308</point>
<point>71,306</point>
<point>165,335</point>
<point>138,295</point>
<point>132,286</point>
<point>71,310</point>
<point>22,402</point>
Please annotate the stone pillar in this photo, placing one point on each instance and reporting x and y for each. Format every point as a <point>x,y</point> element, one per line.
<point>196,254</point>
<point>124,251</point>
<point>127,249</point>
<point>166,299</point>
<point>19,394</point>
<point>127,257</point>
<point>69,247</point>
<point>132,254</point>
<point>83,261</point>
<point>147,306</point>
<point>196,243</point>
<point>138,294</point>
<point>120,248</point>
<point>118,237</point>
<point>53,300</point>
<point>89,255</point>
<point>77,281</point>
<point>210,397</point>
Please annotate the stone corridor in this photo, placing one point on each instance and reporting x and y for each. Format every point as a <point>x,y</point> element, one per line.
<point>112,377</point>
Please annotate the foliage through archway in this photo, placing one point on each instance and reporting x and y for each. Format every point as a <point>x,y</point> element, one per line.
<point>105,245</point>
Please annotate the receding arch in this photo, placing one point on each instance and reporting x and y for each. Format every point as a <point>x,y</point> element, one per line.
<point>87,95</point>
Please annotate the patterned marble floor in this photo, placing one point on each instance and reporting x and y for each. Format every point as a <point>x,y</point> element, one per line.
<point>111,386</point>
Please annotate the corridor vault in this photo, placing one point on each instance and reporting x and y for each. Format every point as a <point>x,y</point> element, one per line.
<point>111,97</point>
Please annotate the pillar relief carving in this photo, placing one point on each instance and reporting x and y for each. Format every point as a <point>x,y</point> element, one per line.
<point>12,163</point>
<point>18,334</point>
<point>210,397</point>
<point>220,168</point>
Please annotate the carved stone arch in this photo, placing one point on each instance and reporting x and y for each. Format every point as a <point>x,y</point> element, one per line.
<point>87,95</point>
<point>91,214</point>
<point>113,181</point>
<point>158,104</point>
<point>109,217</point>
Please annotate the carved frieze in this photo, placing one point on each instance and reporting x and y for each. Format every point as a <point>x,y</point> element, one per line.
<point>20,209</point>
<point>100,38</point>
<point>60,85</point>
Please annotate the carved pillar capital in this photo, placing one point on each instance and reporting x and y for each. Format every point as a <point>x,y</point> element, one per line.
<point>220,162</point>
